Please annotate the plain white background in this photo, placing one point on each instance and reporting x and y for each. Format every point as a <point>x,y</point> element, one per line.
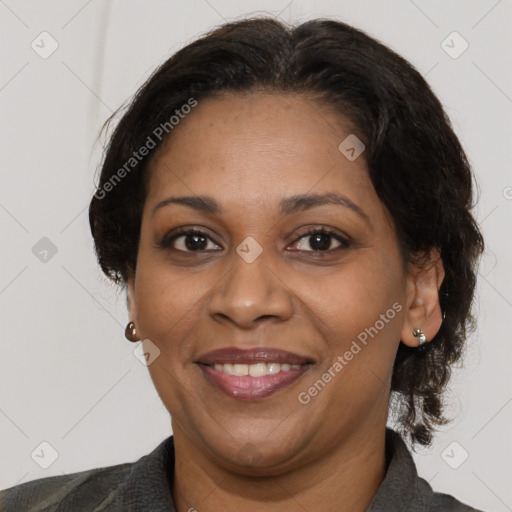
<point>67,375</point>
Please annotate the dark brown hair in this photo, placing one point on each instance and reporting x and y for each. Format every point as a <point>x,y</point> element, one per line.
<point>415,161</point>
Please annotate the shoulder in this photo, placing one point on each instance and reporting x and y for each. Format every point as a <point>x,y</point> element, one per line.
<point>404,491</point>
<point>84,490</point>
<point>139,485</point>
<point>439,502</point>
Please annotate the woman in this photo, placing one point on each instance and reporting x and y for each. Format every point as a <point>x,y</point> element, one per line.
<point>289,210</point>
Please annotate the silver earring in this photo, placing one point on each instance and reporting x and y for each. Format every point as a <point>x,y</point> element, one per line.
<point>418,333</point>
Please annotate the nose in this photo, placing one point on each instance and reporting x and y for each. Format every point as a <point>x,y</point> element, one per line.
<point>250,294</point>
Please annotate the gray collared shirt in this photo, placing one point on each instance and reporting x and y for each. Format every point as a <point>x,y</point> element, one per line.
<point>143,485</point>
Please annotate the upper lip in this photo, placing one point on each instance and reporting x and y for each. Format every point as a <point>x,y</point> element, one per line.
<point>237,355</point>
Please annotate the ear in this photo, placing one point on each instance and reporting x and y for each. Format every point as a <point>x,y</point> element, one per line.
<point>130,300</point>
<point>423,310</point>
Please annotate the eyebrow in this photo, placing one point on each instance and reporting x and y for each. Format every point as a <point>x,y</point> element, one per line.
<point>289,205</point>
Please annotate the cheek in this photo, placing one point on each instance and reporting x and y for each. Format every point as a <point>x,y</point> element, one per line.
<point>358,312</point>
<point>165,300</point>
<point>351,298</point>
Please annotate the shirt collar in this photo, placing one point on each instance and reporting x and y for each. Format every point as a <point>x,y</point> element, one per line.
<point>147,486</point>
<point>401,485</point>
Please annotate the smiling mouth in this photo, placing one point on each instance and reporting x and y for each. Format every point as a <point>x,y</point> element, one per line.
<point>250,374</point>
<point>252,381</point>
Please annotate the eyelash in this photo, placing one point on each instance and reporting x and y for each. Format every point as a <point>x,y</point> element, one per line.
<point>167,240</point>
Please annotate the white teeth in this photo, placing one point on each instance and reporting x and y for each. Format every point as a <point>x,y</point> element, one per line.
<point>241,369</point>
<point>273,368</point>
<point>255,370</point>
<point>258,370</point>
<point>228,368</point>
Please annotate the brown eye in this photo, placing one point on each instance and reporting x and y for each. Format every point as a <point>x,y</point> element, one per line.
<point>320,240</point>
<point>190,240</point>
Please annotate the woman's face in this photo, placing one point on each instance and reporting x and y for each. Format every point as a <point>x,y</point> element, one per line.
<point>254,279</point>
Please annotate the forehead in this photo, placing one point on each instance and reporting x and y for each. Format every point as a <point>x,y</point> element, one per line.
<point>257,148</point>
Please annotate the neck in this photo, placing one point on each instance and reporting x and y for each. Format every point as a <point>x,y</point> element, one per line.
<point>344,479</point>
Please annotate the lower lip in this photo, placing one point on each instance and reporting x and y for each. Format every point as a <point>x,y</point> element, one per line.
<point>252,388</point>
